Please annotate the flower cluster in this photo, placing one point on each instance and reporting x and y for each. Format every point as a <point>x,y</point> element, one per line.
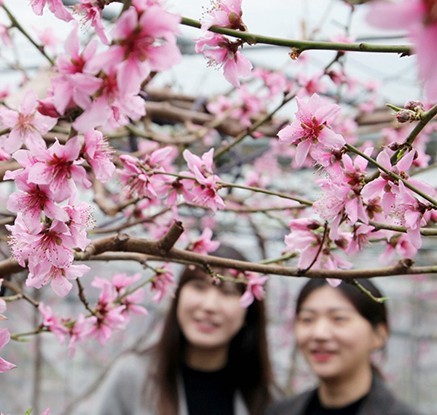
<point>51,222</point>
<point>119,299</point>
<point>150,177</point>
<point>352,202</point>
<point>254,288</point>
<point>311,131</point>
<point>219,49</point>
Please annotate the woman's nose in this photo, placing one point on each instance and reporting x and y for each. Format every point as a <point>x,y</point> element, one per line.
<point>210,299</point>
<point>321,329</point>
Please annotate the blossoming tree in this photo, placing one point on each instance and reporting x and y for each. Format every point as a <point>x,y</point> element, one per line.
<point>105,163</point>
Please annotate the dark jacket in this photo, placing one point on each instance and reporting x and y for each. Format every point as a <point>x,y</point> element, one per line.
<point>122,392</point>
<point>380,401</point>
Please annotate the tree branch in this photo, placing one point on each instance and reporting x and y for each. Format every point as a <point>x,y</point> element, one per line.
<point>301,45</point>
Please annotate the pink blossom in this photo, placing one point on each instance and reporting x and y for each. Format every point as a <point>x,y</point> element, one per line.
<point>388,188</point>
<point>53,244</point>
<point>359,238</point>
<point>397,136</point>
<point>26,159</point>
<point>418,17</point>
<point>141,43</point>
<point>175,189</point>
<point>80,220</point>
<point>21,241</point>
<point>200,166</point>
<point>204,244</point>
<point>59,278</point>
<point>204,188</point>
<point>275,81</point>
<point>48,38</point>
<point>102,326</point>
<point>32,200</point>
<point>266,168</point>
<point>51,321</point>
<point>400,245</point>
<point>142,178</point>
<point>27,125</point>
<point>75,84</point>
<point>98,153</point>
<point>306,244</point>
<point>243,107</point>
<point>254,289</point>
<point>249,105</point>
<point>132,303</point>
<point>310,129</point>
<point>55,6</point>
<point>59,167</point>
<point>310,84</point>
<point>225,13</point>
<point>77,330</point>
<point>4,339</point>
<point>42,246</point>
<point>220,51</point>
<point>108,315</point>
<point>128,295</point>
<point>4,35</point>
<point>409,212</point>
<point>341,192</point>
<point>121,281</point>
<point>74,60</point>
<point>91,11</point>
<point>220,105</point>
<point>162,282</point>
<point>115,104</point>
<point>305,239</point>
<point>4,156</point>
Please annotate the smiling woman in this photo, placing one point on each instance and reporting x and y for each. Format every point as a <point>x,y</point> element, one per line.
<point>209,317</point>
<point>212,356</point>
<point>338,330</point>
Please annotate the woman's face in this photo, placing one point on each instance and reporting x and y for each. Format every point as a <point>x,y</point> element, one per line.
<point>210,316</point>
<point>335,339</point>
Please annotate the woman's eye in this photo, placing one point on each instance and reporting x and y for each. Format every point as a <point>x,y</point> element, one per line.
<point>305,319</point>
<point>199,284</point>
<point>340,319</point>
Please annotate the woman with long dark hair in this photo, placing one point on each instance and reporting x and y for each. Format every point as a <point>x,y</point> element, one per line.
<point>211,358</point>
<point>338,330</point>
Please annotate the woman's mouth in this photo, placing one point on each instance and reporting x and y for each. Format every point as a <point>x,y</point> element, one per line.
<point>322,356</point>
<point>206,326</point>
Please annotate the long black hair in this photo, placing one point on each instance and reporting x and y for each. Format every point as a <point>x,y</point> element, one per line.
<point>248,352</point>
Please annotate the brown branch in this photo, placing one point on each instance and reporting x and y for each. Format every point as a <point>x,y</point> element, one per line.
<point>9,266</point>
<point>8,165</point>
<point>130,244</point>
<point>123,256</point>
<point>9,220</point>
<point>17,290</point>
<point>171,237</point>
<point>156,249</point>
<point>83,298</point>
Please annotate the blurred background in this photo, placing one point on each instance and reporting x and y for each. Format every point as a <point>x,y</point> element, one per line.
<point>48,377</point>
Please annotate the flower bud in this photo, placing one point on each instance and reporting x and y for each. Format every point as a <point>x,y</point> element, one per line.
<point>414,106</point>
<point>405,116</point>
